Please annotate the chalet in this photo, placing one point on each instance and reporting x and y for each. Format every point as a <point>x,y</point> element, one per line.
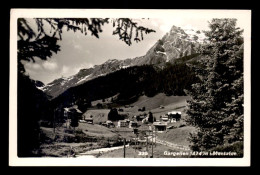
<point>160,126</point>
<point>140,117</point>
<point>165,118</point>
<point>132,124</point>
<point>174,115</point>
<point>122,123</point>
<point>109,124</point>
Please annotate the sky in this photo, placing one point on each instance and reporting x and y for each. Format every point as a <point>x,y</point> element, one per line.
<point>79,51</point>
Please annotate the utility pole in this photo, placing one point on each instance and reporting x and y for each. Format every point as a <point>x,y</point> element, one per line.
<point>147,146</point>
<point>135,142</point>
<point>66,113</point>
<point>152,144</point>
<point>124,147</point>
<point>154,138</point>
<point>54,121</point>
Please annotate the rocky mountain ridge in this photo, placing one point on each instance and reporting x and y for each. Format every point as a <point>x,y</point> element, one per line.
<point>177,43</point>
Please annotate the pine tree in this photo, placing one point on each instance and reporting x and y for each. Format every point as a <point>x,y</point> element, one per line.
<point>113,115</point>
<point>150,117</point>
<point>74,119</point>
<point>216,106</point>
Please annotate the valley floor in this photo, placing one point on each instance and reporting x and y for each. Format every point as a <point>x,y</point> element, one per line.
<point>95,140</point>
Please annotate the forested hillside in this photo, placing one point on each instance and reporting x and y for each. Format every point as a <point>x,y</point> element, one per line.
<point>130,83</point>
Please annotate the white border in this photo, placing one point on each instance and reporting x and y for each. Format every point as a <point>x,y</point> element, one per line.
<point>244,15</point>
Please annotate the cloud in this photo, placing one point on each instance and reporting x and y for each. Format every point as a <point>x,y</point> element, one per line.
<point>77,46</point>
<point>165,28</point>
<point>65,70</point>
<point>68,70</point>
<point>154,23</point>
<point>36,66</point>
<point>32,66</point>
<point>75,42</point>
<point>51,66</point>
<point>86,65</point>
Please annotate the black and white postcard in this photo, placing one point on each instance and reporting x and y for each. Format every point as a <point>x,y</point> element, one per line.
<point>110,87</point>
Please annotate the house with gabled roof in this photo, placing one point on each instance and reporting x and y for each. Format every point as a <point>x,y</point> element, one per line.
<point>122,123</point>
<point>160,126</point>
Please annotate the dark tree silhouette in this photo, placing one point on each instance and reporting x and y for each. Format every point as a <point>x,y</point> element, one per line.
<point>150,117</point>
<point>74,118</point>
<point>113,115</point>
<point>32,104</point>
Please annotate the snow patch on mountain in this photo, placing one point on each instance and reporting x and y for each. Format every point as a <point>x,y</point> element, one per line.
<point>83,79</point>
<point>160,52</point>
<point>124,67</point>
<point>40,88</point>
<point>195,36</point>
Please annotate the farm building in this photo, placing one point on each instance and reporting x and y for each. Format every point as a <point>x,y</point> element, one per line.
<point>122,123</point>
<point>165,118</point>
<point>109,124</point>
<point>174,115</point>
<point>160,126</point>
<point>140,117</point>
<point>132,124</point>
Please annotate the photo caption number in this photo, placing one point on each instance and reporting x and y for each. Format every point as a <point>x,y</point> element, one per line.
<point>142,153</point>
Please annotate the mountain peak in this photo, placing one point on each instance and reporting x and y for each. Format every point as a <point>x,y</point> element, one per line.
<point>176,44</point>
<point>111,61</point>
<point>175,28</point>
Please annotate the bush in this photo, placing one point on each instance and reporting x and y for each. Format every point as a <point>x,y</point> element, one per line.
<point>44,138</point>
<point>68,139</point>
<point>99,106</point>
<point>46,124</point>
<point>182,125</point>
<point>69,131</point>
<point>114,116</point>
<point>104,144</point>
